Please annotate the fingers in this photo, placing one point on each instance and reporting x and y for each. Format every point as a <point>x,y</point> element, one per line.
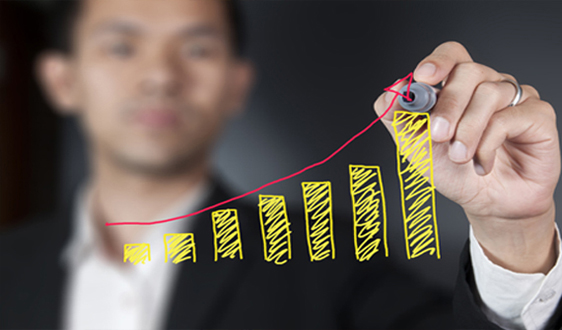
<point>472,107</point>
<point>451,64</point>
<point>489,98</point>
<point>454,98</point>
<point>435,67</point>
<point>534,118</point>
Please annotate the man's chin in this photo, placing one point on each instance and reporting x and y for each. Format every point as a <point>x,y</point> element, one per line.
<point>156,166</point>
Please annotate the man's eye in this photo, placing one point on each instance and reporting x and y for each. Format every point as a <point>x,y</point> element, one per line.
<point>121,49</point>
<point>197,51</point>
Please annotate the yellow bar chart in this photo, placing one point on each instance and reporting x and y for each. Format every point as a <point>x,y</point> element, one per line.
<point>417,198</point>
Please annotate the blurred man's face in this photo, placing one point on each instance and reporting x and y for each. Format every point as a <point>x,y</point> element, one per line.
<point>153,81</point>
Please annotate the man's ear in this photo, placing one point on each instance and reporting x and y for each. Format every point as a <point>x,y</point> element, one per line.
<point>242,81</point>
<point>55,74</point>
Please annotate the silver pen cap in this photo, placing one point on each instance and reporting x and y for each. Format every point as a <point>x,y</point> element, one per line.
<point>423,97</point>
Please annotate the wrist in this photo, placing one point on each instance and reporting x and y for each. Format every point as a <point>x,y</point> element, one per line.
<point>520,245</point>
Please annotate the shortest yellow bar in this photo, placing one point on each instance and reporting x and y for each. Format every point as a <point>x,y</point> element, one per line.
<point>179,247</point>
<point>137,252</point>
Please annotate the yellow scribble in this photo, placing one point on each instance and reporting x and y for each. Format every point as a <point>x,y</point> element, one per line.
<point>228,241</point>
<point>413,142</point>
<point>275,229</point>
<point>179,247</point>
<point>367,197</point>
<point>317,198</point>
<point>137,252</point>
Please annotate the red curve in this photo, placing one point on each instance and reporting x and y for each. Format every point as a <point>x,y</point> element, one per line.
<point>387,89</point>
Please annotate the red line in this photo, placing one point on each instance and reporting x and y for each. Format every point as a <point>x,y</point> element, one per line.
<point>387,89</point>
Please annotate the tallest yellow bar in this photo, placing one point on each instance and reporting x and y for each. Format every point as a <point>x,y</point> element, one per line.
<point>413,142</point>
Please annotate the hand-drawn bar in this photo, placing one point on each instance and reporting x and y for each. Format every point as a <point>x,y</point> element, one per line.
<point>317,198</point>
<point>275,229</point>
<point>413,142</point>
<point>137,252</point>
<point>228,241</point>
<point>367,199</point>
<point>179,247</point>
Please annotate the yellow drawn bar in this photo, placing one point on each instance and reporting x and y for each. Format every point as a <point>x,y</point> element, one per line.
<point>228,242</point>
<point>137,252</point>
<point>179,247</point>
<point>413,141</point>
<point>367,199</point>
<point>317,198</point>
<point>275,229</point>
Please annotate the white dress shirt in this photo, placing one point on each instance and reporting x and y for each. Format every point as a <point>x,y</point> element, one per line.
<point>515,300</point>
<point>105,294</point>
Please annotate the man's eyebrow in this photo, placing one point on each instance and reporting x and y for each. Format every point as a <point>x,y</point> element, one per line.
<point>201,30</point>
<point>130,28</point>
<point>122,27</point>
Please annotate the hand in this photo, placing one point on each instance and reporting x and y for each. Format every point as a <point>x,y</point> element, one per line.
<point>500,163</point>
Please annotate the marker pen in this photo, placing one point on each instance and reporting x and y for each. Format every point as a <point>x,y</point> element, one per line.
<point>423,97</point>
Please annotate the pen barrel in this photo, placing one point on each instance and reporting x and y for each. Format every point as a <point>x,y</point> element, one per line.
<point>423,97</point>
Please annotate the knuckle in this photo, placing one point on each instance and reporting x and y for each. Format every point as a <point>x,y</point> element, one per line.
<point>449,104</point>
<point>438,57</point>
<point>470,69</point>
<point>489,90</point>
<point>448,51</point>
<point>532,91</point>
<point>454,46</point>
<point>498,121</point>
<point>467,130</point>
<point>548,109</point>
<point>507,75</point>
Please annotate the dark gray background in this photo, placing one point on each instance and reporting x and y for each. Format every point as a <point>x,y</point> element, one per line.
<point>321,65</point>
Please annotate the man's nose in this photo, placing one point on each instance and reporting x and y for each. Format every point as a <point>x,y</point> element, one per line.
<point>162,74</point>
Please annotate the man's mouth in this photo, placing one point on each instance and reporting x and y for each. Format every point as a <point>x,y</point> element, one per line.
<point>157,118</point>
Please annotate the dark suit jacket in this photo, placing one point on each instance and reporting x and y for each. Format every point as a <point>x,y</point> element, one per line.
<point>248,293</point>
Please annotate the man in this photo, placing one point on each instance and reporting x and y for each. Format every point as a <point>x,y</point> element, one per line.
<point>154,82</point>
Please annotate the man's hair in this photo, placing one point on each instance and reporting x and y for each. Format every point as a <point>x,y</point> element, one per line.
<point>63,15</point>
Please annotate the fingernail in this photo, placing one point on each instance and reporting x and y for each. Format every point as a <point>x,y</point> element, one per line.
<point>457,151</point>
<point>439,128</point>
<point>426,70</point>
<point>479,169</point>
<point>388,97</point>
